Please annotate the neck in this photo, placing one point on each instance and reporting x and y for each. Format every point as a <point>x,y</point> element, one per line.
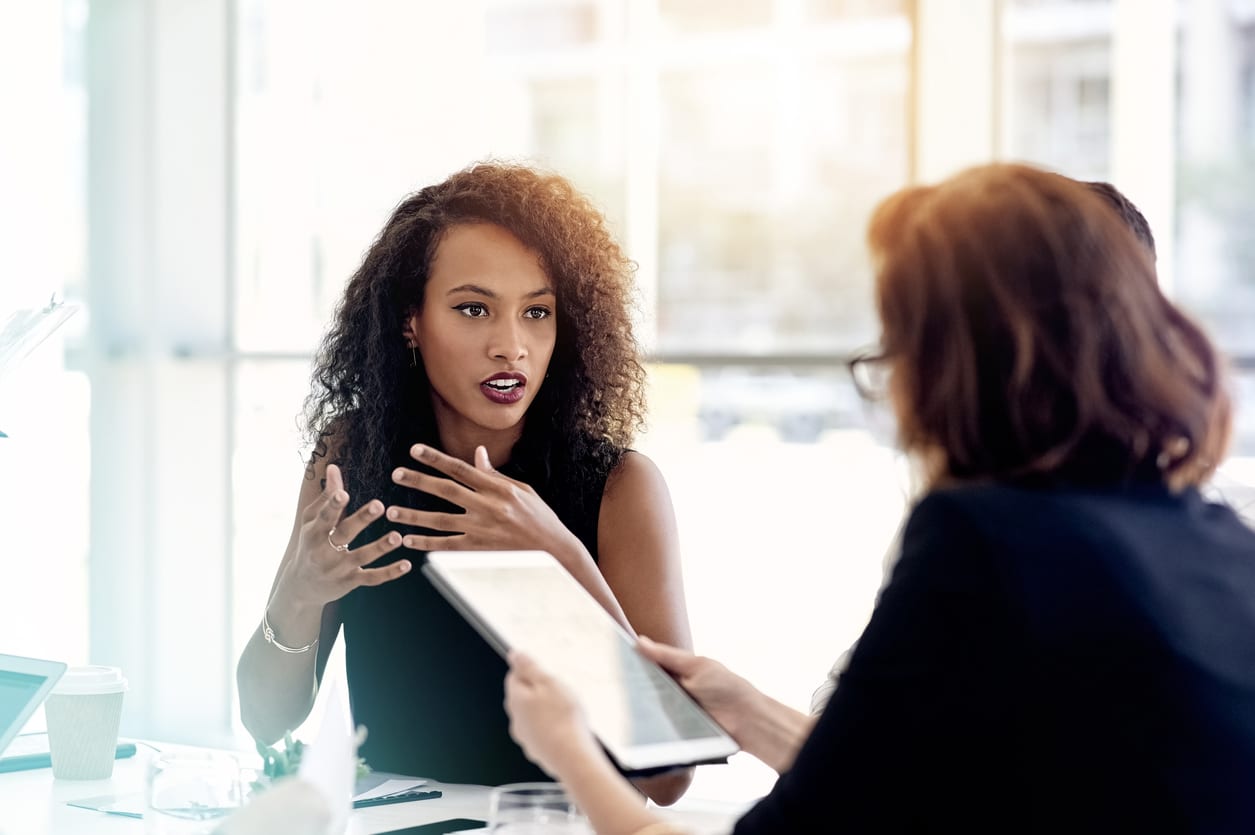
<point>460,440</point>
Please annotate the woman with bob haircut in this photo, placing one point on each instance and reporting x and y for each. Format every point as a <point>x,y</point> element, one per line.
<point>479,389</point>
<point>1067,641</point>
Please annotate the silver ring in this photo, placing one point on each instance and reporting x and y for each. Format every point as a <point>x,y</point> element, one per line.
<point>340,548</point>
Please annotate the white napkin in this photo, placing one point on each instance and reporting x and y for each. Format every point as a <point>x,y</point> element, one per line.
<point>330,762</point>
<point>291,806</point>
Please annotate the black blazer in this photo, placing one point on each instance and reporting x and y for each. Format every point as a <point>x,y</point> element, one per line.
<point>1044,660</point>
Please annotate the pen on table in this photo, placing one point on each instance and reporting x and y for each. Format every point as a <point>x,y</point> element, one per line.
<point>119,813</point>
<point>400,797</point>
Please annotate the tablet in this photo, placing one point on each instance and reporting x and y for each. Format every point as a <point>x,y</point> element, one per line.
<point>526,600</point>
<point>24,682</point>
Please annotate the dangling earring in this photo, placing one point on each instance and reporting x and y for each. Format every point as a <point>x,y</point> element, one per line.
<point>413,356</point>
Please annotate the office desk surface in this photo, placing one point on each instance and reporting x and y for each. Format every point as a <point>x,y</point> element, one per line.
<point>33,803</point>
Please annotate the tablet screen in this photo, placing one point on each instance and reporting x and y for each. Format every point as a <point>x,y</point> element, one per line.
<point>527,600</point>
<point>16,691</point>
<point>24,682</point>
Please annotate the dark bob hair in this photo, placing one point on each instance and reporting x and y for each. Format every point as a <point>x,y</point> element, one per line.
<point>1028,338</point>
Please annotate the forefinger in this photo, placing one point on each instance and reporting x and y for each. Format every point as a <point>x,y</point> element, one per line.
<point>348,528</point>
<point>444,488</point>
<point>523,666</point>
<point>328,515</point>
<point>455,468</point>
<point>383,574</point>
<point>672,659</point>
<point>332,484</point>
<point>514,685</point>
<point>333,479</point>
<point>519,660</point>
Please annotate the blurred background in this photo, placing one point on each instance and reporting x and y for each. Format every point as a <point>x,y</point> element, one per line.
<point>203,176</point>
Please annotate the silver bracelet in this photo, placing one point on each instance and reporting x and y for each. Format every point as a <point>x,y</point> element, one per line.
<point>269,635</point>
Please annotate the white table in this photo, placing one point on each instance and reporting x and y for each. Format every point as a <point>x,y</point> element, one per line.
<point>33,803</point>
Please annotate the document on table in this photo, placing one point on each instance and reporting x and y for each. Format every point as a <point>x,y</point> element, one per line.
<point>124,805</point>
<point>389,787</point>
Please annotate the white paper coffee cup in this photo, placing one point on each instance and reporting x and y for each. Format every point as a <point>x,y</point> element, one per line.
<point>83,712</point>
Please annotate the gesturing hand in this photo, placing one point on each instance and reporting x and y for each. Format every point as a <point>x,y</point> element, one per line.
<point>323,568</point>
<point>501,513</point>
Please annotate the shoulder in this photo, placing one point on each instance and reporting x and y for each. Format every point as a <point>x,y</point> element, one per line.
<point>990,508</point>
<point>633,465</point>
<point>955,535</point>
<point>635,497</point>
<point>635,474</point>
<point>952,510</point>
<point>970,497</point>
<point>1034,513</point>
<point>1034,535</point>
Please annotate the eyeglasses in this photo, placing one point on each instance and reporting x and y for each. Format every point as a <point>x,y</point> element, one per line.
<point>870,370</point>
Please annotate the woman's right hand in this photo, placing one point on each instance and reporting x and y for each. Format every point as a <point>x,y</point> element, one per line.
<point>726,696</point>
<point>762,726</point>
<point>322,569</point>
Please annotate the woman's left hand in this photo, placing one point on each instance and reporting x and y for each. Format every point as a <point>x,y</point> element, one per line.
<point>545,719</point>
<point>501,514</point>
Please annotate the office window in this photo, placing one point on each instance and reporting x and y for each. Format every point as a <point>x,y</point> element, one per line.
<point>714,225</point>
<point>852,9</point>
<point>575,124</point>
<point>772,154</point>
<point>267,466</point>
<point>538,26</point>
<point>1216,170</point>
<point>703,16</point>
<point>44,397</point>
<point>1215,253</point>
<point>1059,61</point>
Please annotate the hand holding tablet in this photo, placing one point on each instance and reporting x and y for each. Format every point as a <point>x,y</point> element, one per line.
<point>526,600</point>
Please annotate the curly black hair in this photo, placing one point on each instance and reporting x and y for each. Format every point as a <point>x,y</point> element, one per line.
<point>368,404</point>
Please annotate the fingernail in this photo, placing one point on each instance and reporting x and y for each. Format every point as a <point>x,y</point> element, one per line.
<point>418,450</point>
<point>394,538</point>
<point>405,566</point>
<point>392,513</point>
<point>398,474</point>
<point>340,497</point>
<point>375,508</point>
<point>407,542</point>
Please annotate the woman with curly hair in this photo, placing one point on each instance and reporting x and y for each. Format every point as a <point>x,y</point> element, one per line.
<point>479,389</point>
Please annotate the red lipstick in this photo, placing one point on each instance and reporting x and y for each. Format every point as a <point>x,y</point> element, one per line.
<point>505,387</point>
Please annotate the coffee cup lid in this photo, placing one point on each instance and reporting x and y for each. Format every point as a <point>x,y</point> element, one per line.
<point>90,680</point>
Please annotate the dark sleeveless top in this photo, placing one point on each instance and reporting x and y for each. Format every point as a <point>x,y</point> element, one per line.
<point>427,687</point>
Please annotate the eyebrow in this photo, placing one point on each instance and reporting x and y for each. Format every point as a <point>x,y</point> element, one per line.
<point>484,291</point>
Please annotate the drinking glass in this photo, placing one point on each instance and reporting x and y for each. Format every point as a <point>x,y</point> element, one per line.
<point>189,792</point>
<point>541,808</point>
